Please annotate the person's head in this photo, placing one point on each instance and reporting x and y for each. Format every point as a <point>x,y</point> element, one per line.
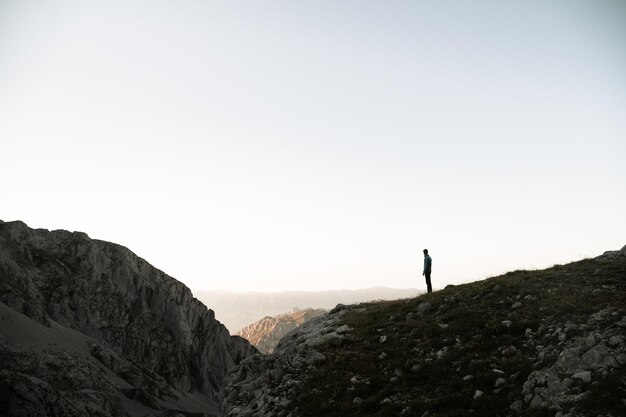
<point>425,251</point>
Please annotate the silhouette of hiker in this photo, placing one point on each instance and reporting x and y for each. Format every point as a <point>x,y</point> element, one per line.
<point>428,263</point>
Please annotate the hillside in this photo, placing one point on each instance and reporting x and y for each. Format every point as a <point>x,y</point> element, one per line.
<point>527,343</point>
<point>267,332</point>
<point>89,328</point>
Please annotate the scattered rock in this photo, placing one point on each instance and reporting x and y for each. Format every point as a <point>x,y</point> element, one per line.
<point>617,341</point>
<point>343,329</point>
<point>423,307</point>
<point>313,357</point>
<point>584,377</point>
<point>509,351</point>
<point>517,407</point>
<point>440,353</point>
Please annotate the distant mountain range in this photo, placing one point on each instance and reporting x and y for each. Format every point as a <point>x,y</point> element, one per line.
<point>237,310</point>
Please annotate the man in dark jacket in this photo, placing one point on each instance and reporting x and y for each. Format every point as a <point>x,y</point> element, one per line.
<point>428,263</point>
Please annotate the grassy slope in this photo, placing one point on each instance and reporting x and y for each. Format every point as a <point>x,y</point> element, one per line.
<point>465,327</point>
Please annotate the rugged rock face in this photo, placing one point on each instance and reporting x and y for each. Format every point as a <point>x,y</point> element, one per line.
<point>267,332</point>
<point>144,326</point>
<point>528,343</point>
<point>266,385</point>
<point>54,383</point>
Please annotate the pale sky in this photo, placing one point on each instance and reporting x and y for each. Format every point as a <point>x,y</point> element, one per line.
<point>309,145</point>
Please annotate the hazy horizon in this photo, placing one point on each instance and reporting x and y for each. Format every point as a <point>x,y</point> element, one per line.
<point>319,145</point>
<point>239,309</point>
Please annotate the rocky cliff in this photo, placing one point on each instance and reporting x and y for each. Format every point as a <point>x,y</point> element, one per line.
<point>267,332</point>
<point>141,332</point>
<point>528,343</point>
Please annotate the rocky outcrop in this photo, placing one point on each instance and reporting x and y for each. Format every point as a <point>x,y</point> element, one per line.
<point>267,332</point>
<point>265,385</point>
<point>168,340</point>
<point>613,254</point>
<point>599,351</point>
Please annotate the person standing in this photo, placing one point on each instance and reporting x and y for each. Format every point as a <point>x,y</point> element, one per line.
<point>428,263</point>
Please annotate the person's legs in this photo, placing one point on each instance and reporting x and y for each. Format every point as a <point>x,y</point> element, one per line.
<point>430,288</point>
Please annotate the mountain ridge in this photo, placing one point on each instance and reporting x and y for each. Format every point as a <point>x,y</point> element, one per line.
<point>267,332</point>
<point>144,326</point>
